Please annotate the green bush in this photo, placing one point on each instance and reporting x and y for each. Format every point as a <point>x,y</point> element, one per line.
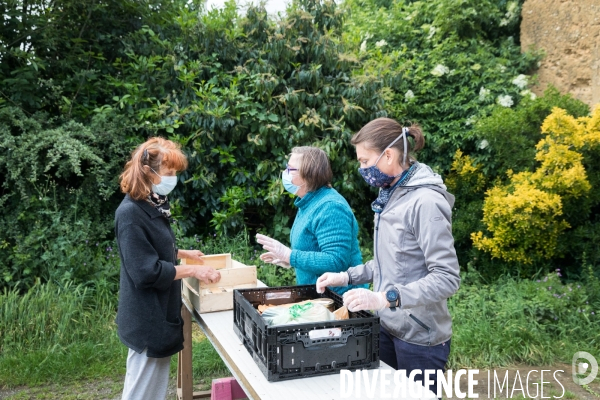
<point>58,197</point>
<point>56,58</point>
<point>503,144</point>
<point>59,160</point>
<point>238,93</point>
<point>445,64</point>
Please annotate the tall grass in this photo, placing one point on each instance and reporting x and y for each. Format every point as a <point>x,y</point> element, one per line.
<point>62,334</point>
<point>537,322</point>
<point>59,333</point>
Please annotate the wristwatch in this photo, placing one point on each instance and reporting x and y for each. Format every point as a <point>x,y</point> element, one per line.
<point>393,297</point>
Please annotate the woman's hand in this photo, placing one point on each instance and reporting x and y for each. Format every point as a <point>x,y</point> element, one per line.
<point>279,251</point>
<point>364,299</point>
<point>206,274</point>
<point>194,255</point>
<point>271,258</point>
<point>331,279</point>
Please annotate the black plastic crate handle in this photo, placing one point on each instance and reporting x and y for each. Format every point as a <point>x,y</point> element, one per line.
<point>324,346</point>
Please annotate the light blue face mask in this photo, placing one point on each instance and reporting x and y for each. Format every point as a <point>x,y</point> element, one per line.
<point>286,178</point>
<point>166,185</point>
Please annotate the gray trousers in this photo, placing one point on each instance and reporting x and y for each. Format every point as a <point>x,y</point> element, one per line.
<point>146,377</point>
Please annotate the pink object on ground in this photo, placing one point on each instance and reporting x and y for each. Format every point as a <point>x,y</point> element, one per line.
<point>227,389</point>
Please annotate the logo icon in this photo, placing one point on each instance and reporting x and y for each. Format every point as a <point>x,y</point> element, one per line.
<point>580,368</point>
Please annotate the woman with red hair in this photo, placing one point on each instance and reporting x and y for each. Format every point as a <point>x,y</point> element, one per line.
<point>149,315</point>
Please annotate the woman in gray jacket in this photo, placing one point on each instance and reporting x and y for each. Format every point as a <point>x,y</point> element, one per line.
<point>415,269</point>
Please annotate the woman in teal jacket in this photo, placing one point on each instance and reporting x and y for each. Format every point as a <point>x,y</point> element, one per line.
<point>324,237</point>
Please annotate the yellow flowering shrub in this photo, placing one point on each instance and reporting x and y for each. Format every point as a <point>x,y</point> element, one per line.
<point>576,132</point>
<point>525,217</point>
<point>525,222</point>
<point>465,175</point>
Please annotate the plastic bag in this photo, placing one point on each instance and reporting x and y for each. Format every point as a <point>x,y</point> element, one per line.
<point>297,314</point>
<point>324,301</point>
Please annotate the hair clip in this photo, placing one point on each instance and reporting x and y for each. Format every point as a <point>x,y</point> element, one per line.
<point>145,155</point>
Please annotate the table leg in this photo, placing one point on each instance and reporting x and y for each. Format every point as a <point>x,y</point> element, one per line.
<point>185,388</point>
<point>185,380</point>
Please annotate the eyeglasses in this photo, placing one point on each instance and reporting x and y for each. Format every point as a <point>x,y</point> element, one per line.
<point>289,169</point>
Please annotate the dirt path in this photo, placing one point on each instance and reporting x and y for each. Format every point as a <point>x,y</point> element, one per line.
<point>92,390</point>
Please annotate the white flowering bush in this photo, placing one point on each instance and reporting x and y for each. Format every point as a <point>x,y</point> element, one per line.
<point>440,70</point>
<point>447,64</point>
<point>528,93</point>
<point>484,94</point>
<point>505,100</point>
<point>520,81</point>
<point>512,13</point>
<point>380,43</point>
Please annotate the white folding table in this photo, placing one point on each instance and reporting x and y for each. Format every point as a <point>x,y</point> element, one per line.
<point>218,328</point>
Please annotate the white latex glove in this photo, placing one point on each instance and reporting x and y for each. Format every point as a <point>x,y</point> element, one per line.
<point>364,299</point>
<point>280,251</point>
<point>331,279</point>
<point>270,258</point>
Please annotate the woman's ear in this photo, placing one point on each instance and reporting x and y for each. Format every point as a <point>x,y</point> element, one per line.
<point>153,177</point>
<point>389,156</point>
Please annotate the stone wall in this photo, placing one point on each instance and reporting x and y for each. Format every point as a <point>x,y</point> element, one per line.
<point>569,33</point>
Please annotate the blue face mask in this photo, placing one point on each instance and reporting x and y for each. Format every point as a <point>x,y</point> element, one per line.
<point>286,178</point>
<point>373,175</point>
<point>166,185</point>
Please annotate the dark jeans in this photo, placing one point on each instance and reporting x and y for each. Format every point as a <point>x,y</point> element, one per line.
<point>401,355</point>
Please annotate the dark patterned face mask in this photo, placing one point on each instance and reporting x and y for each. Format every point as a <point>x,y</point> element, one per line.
<point>373,175</point>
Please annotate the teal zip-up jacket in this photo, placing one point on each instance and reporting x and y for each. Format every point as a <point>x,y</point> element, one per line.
<point>324,237</point>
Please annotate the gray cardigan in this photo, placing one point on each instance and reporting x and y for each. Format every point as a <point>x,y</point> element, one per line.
<point>149,314</point>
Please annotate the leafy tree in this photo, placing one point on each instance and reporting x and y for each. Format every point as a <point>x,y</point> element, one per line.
<point>446,63</point>
<point>55,54</point>
<point>238,99</point>
<point>58,195</point>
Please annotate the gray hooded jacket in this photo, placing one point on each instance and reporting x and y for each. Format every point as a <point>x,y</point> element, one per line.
<point>414,252</point>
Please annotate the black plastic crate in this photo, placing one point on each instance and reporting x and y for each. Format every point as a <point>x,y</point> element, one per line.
<point>301,350</point>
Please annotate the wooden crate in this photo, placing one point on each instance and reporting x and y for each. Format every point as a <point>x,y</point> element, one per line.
<point>218,296</point>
